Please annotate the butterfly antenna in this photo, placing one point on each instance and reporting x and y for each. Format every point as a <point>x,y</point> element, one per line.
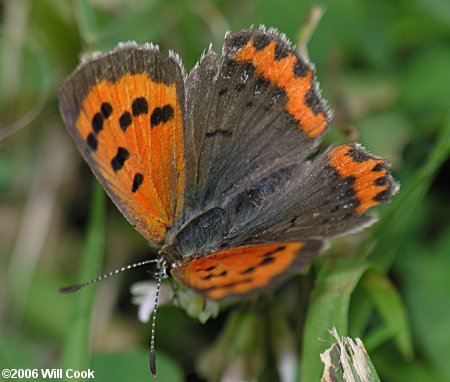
<point>74,288</point>
<point>152,340</point>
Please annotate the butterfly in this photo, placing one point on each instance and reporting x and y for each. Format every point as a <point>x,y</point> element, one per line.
<point>219,167</point>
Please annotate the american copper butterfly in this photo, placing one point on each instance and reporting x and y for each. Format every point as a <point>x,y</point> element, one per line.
<point>219,166</point>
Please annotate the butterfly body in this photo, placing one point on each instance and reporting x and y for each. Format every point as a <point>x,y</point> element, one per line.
<point>214,166</point>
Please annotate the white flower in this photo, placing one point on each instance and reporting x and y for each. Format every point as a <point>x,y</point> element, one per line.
<point>144,294</point>
<point>236,372</point>
<point>287,364</point>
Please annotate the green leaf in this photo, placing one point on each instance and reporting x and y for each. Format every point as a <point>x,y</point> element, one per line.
<point>425,283</point>
<point>86,19</point>
<point>428,95</point>
<point>328,308</point>
<point>133,366</point>
<point>392,310</point>
<point>76,348</point>
<point>389,234</point>
<point>392,367</point>
<point>239,351</point>
<point>15,352</point>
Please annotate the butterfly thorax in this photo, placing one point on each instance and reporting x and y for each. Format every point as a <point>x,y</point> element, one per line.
<point>203,234</point>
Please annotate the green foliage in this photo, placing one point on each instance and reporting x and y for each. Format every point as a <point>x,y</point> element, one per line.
<point>76,346</point>
<point>384,67</point>
<point>117,367</point>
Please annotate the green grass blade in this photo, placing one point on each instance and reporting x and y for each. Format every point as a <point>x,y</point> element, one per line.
<point>392,310</point>
<point>76,348</point>
<point>328,308</point>
<point>86,21</point>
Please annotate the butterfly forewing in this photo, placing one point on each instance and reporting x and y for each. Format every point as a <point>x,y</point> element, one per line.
<point>251,112</point>
<point>125,112</point>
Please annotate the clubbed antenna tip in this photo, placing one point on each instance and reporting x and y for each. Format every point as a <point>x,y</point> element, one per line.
<point>153,363</point>
<point>152,340</point>
<point>71,289</point>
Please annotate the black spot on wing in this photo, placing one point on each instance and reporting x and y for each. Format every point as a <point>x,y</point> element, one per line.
<point>313,101</point>
<point>348,181</point>
<point>237,40</point>
<point>261,41</point>
<point>92,141</point>
<point>358,155</point>
<point>382,196</point>
<point>300,69</point>
<point>348,192</point>
<point>137,181</point>
<point>106,109</point>
<point>267,260</point>
<point>125,120</point>
<point>381,181</point>
<point>248,270</point>
<point>281,51</point>
<point>161,115</point>
<point>222,132</point>
<point>97,123</point>
<point>212,275</point>
<point>139,106</point>
<point>277,249</point>
<point>378,167</point>
<point>119,160</point>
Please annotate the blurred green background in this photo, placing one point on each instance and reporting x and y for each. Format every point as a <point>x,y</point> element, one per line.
<point>384,67</point>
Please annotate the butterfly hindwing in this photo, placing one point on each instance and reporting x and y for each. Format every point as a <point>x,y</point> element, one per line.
<point>247,269</point>
<point>125,112</point>
<point>323,198</point>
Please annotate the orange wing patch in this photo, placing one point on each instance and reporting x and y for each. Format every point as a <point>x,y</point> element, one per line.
<point>134,132</point>
<point>291,74</point>
<point>372,182</point>
<point>245,269</point>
